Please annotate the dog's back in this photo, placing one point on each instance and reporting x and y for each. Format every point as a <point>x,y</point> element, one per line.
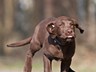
<point>40,32</point>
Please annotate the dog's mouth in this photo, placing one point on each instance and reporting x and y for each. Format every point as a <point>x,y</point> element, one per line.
<point>69,38</point>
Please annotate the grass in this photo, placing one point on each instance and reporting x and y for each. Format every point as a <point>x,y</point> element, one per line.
<point>10,65</point>
<point>83,61</point>
<point>15,65</point>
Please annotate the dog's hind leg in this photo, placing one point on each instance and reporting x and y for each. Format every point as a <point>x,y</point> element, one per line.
<point>34,47</point>
<point>28,66</point>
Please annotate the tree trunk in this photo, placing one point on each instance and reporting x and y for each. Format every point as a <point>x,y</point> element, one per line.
<point>91,24</point>
<point>48,8</point>
<point>8,21</point>
<point>65,7</point>
<point>8,15</point>
<point>37,14</point>
<point>1,28</point>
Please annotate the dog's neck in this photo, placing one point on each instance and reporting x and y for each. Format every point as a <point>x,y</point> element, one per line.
<point>56,41</point>
<point>60,43</point>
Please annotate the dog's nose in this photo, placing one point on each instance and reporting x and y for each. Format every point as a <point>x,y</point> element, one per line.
<point>69,31</point>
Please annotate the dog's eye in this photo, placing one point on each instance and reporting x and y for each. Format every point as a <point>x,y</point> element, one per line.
<point>71,25</point>
<point>61,24</point>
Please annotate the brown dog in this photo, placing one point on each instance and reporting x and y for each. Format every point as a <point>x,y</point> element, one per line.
<point>57,38</point>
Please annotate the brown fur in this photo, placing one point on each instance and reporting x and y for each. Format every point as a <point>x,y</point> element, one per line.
<point>57,38</point>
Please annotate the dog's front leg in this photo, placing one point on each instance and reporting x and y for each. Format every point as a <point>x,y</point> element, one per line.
<point>47,64</point>
<point>65,65</point>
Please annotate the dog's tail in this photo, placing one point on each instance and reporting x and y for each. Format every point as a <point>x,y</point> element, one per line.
<point>20,43</point>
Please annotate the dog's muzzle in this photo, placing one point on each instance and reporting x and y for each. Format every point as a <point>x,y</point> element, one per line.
<point>70,38</point>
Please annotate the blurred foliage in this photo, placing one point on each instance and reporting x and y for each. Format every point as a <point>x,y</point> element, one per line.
<point>18,19</point>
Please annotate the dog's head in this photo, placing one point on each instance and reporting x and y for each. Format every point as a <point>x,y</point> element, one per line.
<point>63,28</point>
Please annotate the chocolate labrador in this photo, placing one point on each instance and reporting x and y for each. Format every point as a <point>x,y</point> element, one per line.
<point>57,38</point>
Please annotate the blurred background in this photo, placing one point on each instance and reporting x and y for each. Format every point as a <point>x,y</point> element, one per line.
<point>18,19</point>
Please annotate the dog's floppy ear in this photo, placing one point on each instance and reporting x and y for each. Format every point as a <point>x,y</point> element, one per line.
<point>80,29</point>
<point>77,26</point>
<point>51,28</point>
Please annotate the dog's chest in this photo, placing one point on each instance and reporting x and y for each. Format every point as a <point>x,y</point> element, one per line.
<point>58,53</point>
<point>55,52</point>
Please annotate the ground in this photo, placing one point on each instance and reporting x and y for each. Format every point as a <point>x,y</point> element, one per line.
<point>84,60</point>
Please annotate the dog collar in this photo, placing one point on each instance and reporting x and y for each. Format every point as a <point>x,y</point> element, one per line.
<point>56,41</point>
